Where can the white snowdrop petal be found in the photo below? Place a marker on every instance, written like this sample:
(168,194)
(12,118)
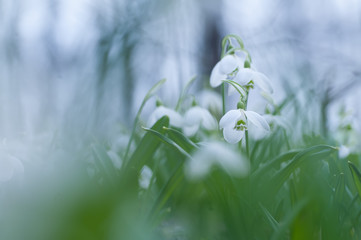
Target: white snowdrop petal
(145,176)
(210,100)
(216,76)
(231,135)
(208,121)
(257,133)
(343,151)
(191,130)
(257,120)
(263,82)
(216,154)
(228,64)
(199,166)
(230,118)
(193,116)
(234,164)
(175,118)
(244,75)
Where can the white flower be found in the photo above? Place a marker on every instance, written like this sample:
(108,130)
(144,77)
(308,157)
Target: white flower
(10,167)
(216,154)
(175,119)
(210,100)
(145,176)
(343,151)
(245,75)
(235,122)
(196,117)
(223,68)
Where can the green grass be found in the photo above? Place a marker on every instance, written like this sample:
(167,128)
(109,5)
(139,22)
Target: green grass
(297,188)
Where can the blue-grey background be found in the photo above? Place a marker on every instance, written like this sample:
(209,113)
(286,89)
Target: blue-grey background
(84,66)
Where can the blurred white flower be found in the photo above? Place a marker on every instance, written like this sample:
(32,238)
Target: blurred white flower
(195,117)
(175,119)
(343,151)
(210,100)
(235,122)
(10,168)
(223,68)
(145,176)
(216,154)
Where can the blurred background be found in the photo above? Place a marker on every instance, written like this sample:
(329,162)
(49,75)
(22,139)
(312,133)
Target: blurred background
(83,67)
(73,75)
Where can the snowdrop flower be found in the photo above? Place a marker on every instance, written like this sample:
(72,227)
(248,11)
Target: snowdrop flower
(223,68)
(10,167)
(196,117)
(145,176)
(216,154)
(175,118)
(235,122)
(246,76)
(211,100)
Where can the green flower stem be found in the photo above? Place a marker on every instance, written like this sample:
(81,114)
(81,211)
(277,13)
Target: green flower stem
(247,144)
(223,99)
(246,132)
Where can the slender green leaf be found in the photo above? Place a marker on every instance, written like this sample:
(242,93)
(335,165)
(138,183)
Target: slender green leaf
(181,140)
(290,217)
(103,162)
(149,94)
(166,192)
(312,153)
(147,146)
(274,224)
(168,141)
(356,175)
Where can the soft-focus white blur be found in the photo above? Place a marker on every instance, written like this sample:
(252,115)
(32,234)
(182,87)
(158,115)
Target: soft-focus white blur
(86,65)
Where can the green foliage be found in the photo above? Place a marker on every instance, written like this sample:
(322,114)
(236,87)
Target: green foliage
(297,188)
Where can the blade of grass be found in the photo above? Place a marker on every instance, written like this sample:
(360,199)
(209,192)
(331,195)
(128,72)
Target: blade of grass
(274,224)
(183,93)
(166,193)
(149,94)
(356,175)
(146,148)
(167,141)
(316,152)
(181,140)
(104,163)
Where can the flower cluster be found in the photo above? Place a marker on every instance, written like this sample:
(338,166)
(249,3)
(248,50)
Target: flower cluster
(235,69)
(231,67)
(194,118)
(242,78)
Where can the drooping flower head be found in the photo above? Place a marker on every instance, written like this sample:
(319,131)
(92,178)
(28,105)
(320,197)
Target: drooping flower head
(224,68)
(197,117)
(175,119)
(235,122)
